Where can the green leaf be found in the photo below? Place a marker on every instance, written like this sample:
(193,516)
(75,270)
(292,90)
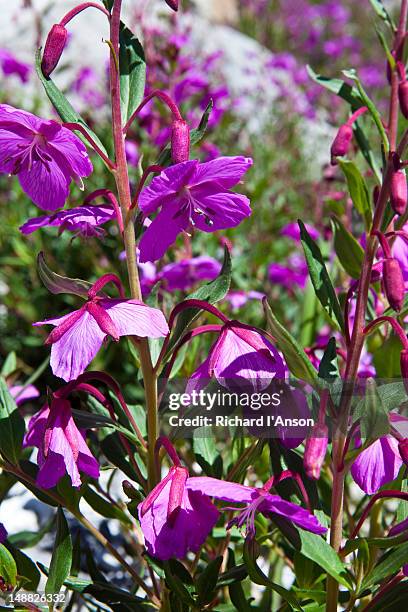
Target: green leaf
(196,135)
(358,189)
(28,573)
(348,250)
(8,567)
(132,68)
(63,107)
(314,547)
(176,583)
(328,368)
(250,554)
(374,420)
(295,357)
(61,559)
(212,292)
(103,507)
(9,365)
(206,452)
(338,87)
(388,565)
(12,426)
(320,277)
(207,581)
(382,13)
(60,284)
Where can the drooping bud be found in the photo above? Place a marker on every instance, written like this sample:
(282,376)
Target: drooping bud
(393,283)
(398,192)
(315,450)
(173,4)
(54,46)
(403,97)
(180,141)
(403,447)
(341,143)
(404,369)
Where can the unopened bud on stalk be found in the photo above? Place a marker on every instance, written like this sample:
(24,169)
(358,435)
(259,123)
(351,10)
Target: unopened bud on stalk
(403,98)
(404,372)
(341,143)
(393,283)
(54,46)
(173,4)
(315,450)
(180,141)
(398,192)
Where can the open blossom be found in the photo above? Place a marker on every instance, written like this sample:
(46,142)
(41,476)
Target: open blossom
(3,533)
(380,463)
(43,154)
(78,336)
(61,446)
(178,515)
(192,194)
(85,220)
(240,355)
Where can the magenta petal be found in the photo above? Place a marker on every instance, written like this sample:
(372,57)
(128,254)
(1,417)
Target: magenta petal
(377,465)
(51,471)
(132,318)
(23,393)
(200,378)
(167,184)
(225,210)
(222,489)
(296,514)
(162,232)
(36,428)
(46,185)
(225,171)
(3,533)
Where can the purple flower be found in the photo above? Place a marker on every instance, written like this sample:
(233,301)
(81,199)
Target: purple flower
(177,515)
(240,354)
(44,155)
(85,220)
(61,446)
(23,393)
(295,273)
(192,194)
(3,533)
(78,336)
(380,462)
(11,65)
(239,298)
(182,275)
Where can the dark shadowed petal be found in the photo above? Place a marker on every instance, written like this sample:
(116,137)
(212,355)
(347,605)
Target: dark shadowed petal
(295,514)
(225,171)
(219,211)
(222,489)
(162,232)
(3,533)
(199,378)
(45,184)
(132,318)
(168,183)
(52,469)
(36,428)
(377,465)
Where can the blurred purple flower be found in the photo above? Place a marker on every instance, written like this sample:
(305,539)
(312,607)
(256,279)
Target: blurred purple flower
(23,393)
(86,86)
(184,274)
(192,194)
(132,152)
(85,220)
(11,65)
(291,230)
(3,533)
(61,446)
(240,355)
(44,155)
(295,273)
(79,335)
(237,298)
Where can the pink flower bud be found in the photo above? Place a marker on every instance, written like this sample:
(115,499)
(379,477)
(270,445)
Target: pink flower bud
(404,369)
(341,144)
(403,445)
(393,283)
(315,450)
(180,141)
(398,192)
(173,4)
(54,47)
(403,98)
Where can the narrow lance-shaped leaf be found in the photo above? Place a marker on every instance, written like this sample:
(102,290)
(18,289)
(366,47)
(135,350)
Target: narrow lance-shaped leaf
(358,189)
(11,425)
(348,250)
(329,369)
(132,67)
(55,283)
(61,559)
(320,277)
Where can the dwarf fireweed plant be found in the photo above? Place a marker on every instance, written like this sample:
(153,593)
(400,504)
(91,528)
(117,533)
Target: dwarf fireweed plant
(194,514)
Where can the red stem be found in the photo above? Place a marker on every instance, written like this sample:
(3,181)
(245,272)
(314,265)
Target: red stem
(80,128)
(155,94)
(105,193)
(149,170)
(81,7)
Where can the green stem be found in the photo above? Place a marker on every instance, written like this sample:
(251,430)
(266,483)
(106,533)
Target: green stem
(123,187)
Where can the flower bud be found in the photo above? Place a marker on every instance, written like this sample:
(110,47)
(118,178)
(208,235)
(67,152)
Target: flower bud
(403,448)
(180,141)
(393,283)
(173,4)
(54,47)
(341,143)
(398,192)
(403,97)
(315,450)
(404,369)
